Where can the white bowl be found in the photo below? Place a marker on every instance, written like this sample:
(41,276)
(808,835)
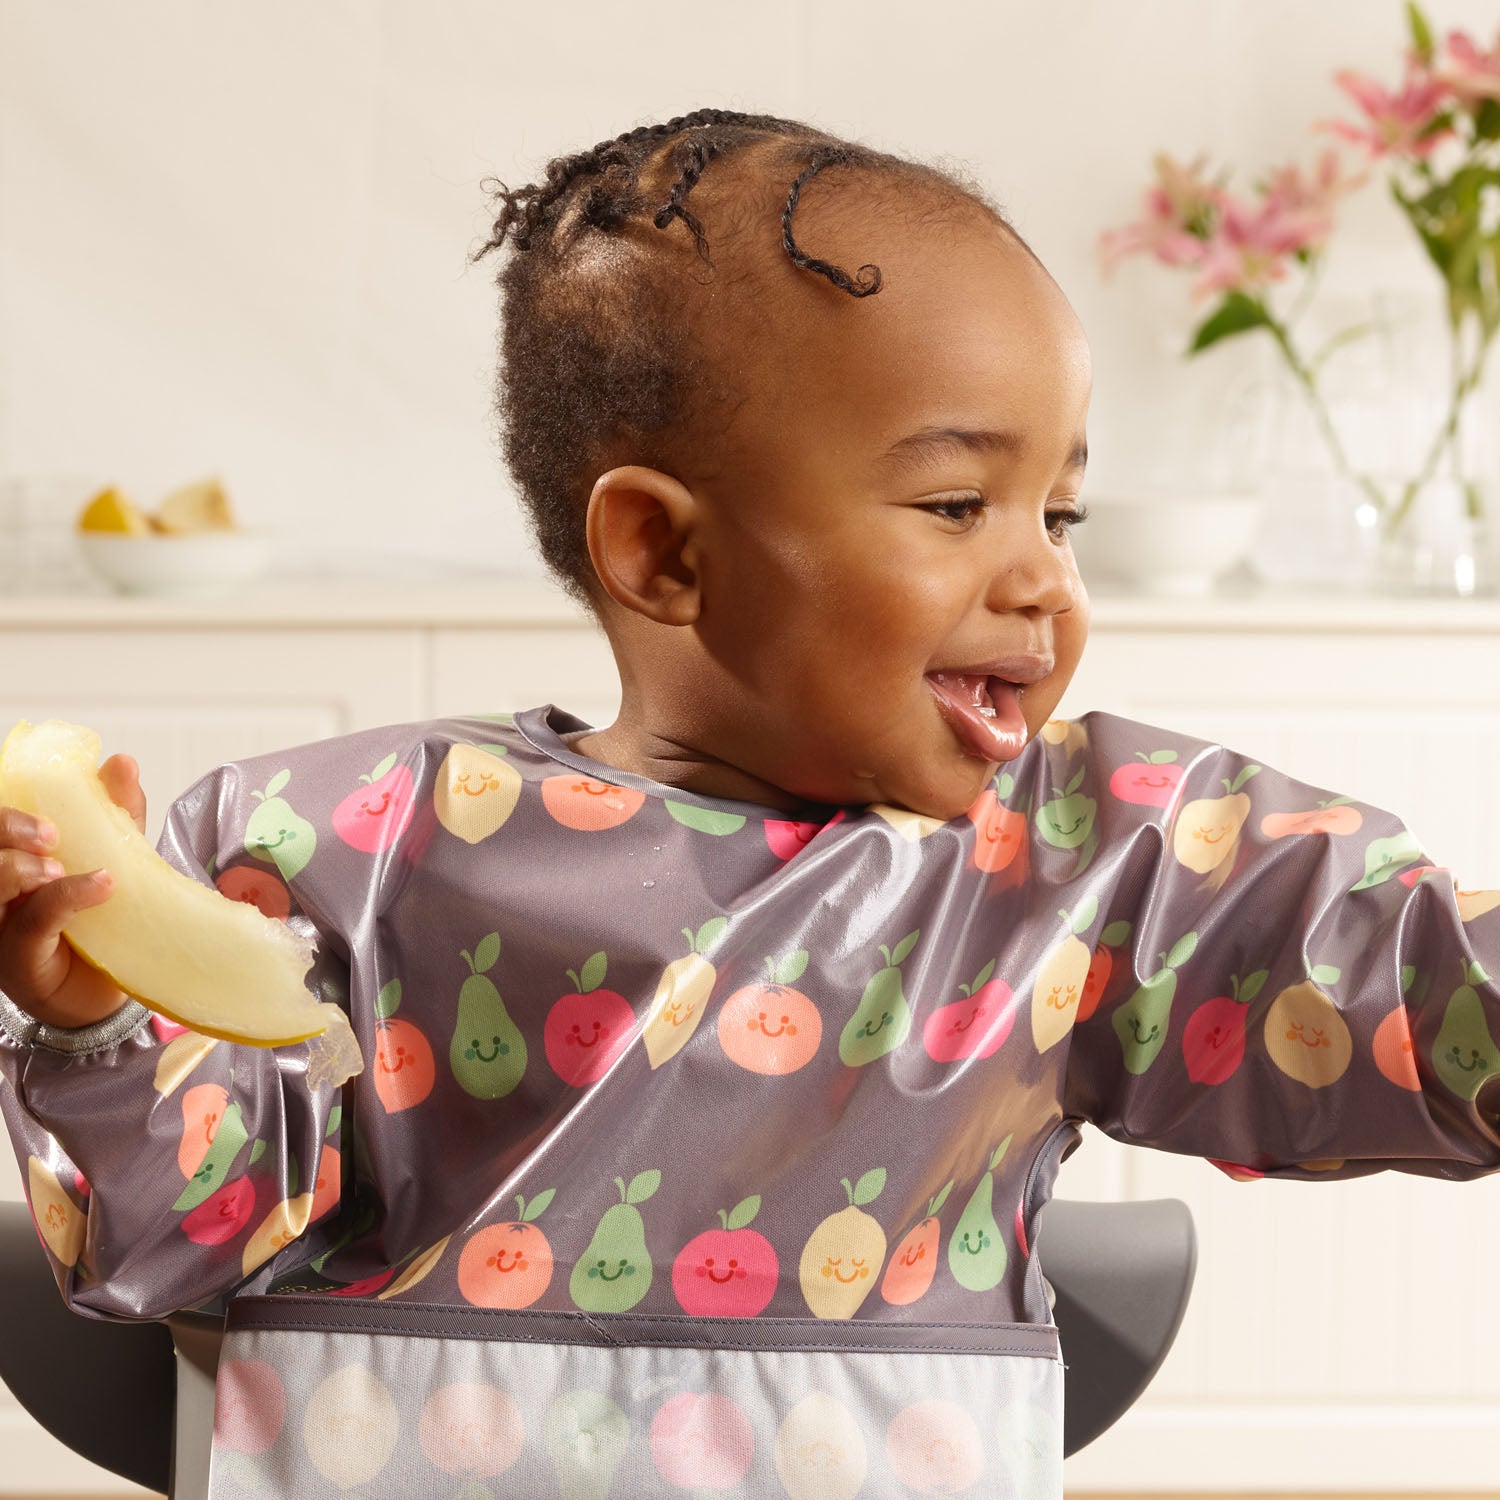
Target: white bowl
(1165,546)
(201,563)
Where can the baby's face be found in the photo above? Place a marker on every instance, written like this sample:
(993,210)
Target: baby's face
(889,594)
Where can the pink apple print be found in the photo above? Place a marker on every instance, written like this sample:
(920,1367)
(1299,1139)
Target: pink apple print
(366,1286)
(1151,780)
(729,1272)
(702,1442)
(975,1026)
(374,816)
(1021,1241)
(250,1406)
(587,1030)
(165,1030)
(258,888)
(1213,1041)
(786,837)
(222,1215)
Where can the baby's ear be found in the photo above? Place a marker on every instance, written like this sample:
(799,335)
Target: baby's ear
(641,531)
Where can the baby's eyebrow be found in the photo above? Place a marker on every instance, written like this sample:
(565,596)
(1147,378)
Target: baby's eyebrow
(918,448)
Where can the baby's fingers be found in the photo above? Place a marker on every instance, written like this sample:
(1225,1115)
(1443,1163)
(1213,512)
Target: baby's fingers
(122,780)
(34,959)
(22,872)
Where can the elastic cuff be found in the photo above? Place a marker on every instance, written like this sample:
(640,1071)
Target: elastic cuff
(99,1036)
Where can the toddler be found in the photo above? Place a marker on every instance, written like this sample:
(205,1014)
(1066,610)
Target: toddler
(719,1060)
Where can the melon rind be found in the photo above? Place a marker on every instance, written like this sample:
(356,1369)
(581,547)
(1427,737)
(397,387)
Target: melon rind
(181,948)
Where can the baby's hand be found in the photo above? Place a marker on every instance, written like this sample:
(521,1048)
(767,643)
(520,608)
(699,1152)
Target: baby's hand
(39,970)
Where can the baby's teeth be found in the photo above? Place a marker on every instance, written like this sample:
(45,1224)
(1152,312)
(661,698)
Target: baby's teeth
(987,710)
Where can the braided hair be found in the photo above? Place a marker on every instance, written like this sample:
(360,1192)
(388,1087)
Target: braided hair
(600,359)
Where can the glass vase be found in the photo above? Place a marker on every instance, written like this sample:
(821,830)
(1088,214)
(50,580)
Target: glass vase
(1443,547)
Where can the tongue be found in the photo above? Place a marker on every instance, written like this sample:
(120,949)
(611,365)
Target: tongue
(984,712)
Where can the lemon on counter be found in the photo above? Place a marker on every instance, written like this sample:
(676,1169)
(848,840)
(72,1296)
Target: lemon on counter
(109,510)
(195,507)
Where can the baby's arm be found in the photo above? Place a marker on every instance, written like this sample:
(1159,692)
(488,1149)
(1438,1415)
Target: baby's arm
(1305,993)
(163,1168)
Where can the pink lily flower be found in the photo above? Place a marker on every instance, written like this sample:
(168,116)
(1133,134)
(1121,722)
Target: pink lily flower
(1393,123)
(1472,75)
(1179,208)
(1302,206)
(1251,246)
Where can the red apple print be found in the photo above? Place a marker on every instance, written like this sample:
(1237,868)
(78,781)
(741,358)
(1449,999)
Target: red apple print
(82,1184)
(165,1030)
(786,838)
(258,888)
(1021,1242)
(975,1026)
(222,1215)
(366,1287)
(1150,780)
(1101,966)
(1237,1170)
(729,1272)
(1409,878)
(374,816)
(588,1029)
(1213,1041)
(999,831)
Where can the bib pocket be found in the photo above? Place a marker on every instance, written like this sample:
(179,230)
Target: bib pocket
(326,1397)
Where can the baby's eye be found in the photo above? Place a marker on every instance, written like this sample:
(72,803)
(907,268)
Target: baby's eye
(1058,521)
(964,509)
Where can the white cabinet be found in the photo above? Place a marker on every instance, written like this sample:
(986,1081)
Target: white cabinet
(1338,1337)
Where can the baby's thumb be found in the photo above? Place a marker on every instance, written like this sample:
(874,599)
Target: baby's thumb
(122,780)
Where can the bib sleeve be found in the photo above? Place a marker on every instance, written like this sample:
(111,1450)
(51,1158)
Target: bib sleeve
(1296,989)
(165,1169)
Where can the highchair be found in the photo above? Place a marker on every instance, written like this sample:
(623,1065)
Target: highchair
(137,1398)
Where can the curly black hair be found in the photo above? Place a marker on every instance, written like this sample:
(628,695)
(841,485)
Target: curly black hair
(600,359)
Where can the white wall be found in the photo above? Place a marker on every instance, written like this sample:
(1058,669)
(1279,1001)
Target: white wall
(233,237)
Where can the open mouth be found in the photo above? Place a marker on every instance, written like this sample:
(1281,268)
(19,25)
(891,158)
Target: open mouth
(983,711)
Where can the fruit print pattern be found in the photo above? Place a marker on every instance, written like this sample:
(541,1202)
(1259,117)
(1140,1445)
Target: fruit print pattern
(882,1018)
(682,994)
(589,1028)
(843,1254)
(614,1271)
(488,1052)
(976,1252)
(1206,951)
(771,1028)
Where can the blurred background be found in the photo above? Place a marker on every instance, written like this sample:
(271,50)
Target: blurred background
(234,239)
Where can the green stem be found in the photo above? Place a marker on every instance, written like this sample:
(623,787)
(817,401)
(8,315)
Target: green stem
(1308,381)
(1465,382)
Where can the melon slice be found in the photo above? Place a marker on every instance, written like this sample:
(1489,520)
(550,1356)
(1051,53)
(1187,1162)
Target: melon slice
(178,946)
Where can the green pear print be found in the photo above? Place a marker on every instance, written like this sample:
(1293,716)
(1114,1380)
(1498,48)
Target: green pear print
(586,1436)
(1387,857)
(883,1018)
(277,834)
(976,1252)
(488,1052)
(1141,1022)
(1464,1053)
(614,1272)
